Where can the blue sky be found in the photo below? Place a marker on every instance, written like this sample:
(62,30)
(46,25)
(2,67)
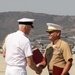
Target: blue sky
(53,7)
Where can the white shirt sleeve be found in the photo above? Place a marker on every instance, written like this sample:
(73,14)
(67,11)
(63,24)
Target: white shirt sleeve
(27,50)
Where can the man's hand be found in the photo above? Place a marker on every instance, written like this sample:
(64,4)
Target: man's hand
(39,70)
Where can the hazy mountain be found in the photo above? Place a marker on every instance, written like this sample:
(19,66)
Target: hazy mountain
(8,23)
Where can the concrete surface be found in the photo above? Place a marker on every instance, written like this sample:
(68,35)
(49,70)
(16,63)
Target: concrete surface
(31,72)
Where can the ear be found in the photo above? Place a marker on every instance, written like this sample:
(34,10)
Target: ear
(58,33)
(25,27)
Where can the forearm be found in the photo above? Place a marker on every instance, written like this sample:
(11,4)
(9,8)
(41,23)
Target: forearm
(42,64)
(33,66)
(3,53)
(67,67)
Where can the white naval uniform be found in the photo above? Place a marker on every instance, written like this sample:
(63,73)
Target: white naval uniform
(17,49)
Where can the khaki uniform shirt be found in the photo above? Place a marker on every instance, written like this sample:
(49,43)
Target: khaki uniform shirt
(61,54)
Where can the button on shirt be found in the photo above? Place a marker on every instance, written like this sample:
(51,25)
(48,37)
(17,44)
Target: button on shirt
(17,49)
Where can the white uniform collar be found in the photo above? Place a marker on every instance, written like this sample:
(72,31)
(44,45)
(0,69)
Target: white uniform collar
(21,32)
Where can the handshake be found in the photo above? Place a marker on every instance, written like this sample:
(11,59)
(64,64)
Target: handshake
(40,67)
(39,70)
(38,59)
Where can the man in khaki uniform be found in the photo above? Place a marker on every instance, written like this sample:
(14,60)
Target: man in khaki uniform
(57,53)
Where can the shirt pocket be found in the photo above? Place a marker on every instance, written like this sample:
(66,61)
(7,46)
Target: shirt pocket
(57,52)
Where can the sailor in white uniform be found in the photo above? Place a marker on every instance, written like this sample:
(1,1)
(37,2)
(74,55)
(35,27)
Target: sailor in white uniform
(17,50)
